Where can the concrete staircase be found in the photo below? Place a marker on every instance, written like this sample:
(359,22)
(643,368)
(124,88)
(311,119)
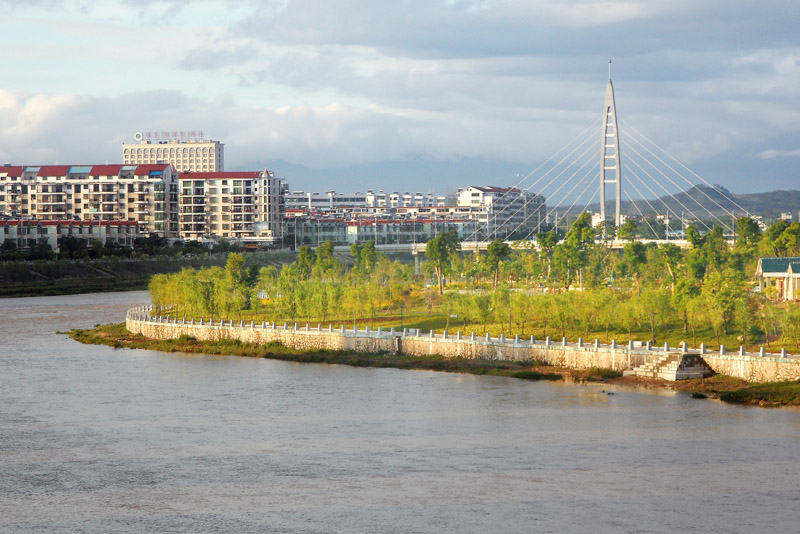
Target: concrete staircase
(673,367)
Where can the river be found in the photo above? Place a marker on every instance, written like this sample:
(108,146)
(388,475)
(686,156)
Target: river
(94,439)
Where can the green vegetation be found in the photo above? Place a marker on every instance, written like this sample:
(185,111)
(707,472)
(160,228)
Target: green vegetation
(576,287)
(115,335)
(768,394)
(110,273)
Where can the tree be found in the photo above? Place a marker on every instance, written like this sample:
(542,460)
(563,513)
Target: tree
(747,232)
(547,243)
(482,304)
(628,230)
(497,252)
(235,296)
(607,231)
(440,251)
(654,303)
(635,256)
(306,259)
(686,289)
(581,233)
(326,263)
(693,236)
(722,290)
(670,256)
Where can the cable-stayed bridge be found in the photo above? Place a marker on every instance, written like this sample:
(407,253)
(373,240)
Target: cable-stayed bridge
(571,179)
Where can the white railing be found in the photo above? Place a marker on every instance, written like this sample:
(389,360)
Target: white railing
(152,315)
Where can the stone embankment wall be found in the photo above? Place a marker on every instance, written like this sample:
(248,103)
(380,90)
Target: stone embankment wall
(414,343)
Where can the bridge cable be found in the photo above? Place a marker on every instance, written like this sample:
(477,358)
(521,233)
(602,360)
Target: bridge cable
(568,180)
(656,196)
(676,185)
(655,234)
(580,135)
(588,184)
(726,197)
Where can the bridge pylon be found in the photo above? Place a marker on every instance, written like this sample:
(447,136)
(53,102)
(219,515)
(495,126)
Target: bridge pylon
(611,163)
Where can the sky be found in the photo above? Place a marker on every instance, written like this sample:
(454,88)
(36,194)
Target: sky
(417,95)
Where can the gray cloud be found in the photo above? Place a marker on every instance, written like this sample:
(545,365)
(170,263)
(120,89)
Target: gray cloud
(357,83)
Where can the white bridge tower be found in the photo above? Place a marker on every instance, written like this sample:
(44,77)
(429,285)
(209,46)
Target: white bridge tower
(611,164)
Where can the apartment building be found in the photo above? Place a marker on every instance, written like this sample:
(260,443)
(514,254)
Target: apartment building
(230,204)
(510,211)
(186,154)
(145,194)
(327,201)
(396,199)
(316,228)
(331,200)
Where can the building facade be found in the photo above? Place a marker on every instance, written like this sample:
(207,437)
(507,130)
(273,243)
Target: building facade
(510,212)
(331,200)
(186,155)
(233,205)
(144,194)
(27,234)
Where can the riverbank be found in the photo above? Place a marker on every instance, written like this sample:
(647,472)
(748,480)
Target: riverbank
(721,387)
(67,277)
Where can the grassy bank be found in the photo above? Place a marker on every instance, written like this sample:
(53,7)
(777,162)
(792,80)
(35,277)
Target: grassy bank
(115,335)
(768,394)
(721,387)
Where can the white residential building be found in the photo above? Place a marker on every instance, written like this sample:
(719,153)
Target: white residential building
(510,211)
(232,205)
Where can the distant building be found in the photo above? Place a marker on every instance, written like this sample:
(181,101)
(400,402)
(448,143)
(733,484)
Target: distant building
(510,211)
(315,228)
(331,200)
(185,153)
(27,234)
(327,201)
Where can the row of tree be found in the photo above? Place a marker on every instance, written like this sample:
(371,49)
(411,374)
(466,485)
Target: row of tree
(647,288)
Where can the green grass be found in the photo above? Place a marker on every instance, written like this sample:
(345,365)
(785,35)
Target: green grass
(767,394)
(117,336)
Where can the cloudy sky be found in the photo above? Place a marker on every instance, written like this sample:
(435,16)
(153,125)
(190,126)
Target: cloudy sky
(408,94)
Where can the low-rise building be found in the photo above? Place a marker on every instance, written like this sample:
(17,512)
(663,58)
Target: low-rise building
(26,234)
(781,274)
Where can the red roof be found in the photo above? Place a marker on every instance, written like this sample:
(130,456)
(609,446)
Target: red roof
(106,170)
(53,170)
(13,172)
(145,170)
(218,175)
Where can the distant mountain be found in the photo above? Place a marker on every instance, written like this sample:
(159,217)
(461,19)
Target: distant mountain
(702,199)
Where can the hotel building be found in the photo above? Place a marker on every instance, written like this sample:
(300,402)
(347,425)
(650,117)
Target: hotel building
(186,154)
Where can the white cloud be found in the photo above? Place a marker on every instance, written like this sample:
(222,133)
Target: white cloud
(773,153)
